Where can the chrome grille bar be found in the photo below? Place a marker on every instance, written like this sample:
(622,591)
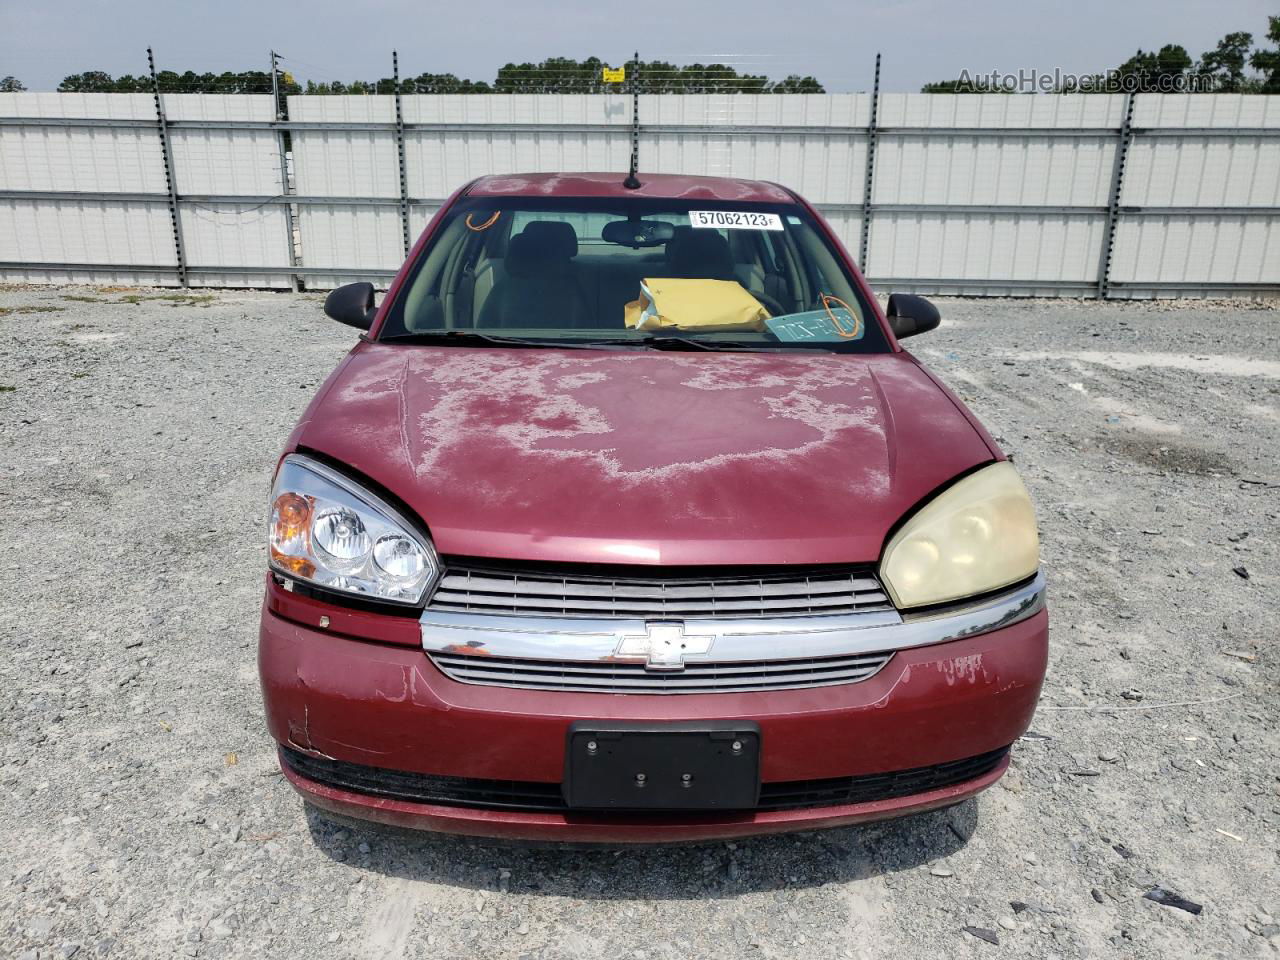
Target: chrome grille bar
(594,650)
(464,590)
(777,652)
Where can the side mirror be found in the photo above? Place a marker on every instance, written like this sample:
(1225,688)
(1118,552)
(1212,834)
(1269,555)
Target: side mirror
(909,315)
(352,305)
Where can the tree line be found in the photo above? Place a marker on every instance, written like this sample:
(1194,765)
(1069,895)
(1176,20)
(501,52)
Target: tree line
(554,75)
(1167,70)
(1170,69)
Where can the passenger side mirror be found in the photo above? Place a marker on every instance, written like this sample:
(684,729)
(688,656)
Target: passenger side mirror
(352,304)
(909,315)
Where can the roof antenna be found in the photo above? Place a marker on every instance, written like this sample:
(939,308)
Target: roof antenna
(633,182)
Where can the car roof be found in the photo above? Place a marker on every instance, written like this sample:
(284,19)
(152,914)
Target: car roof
(665,186)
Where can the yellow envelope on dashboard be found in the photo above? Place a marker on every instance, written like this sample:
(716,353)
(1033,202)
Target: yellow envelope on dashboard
(694,305)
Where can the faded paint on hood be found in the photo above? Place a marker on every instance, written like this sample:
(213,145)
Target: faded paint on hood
(645,457)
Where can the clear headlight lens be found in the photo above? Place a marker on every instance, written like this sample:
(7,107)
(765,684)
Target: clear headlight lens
(329,531)
(976,536)
(399,557)
(340,537)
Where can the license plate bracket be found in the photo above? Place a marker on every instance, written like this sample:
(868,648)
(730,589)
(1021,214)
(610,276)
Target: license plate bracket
(662,766)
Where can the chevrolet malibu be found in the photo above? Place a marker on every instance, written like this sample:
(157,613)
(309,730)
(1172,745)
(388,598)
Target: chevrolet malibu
(628,519)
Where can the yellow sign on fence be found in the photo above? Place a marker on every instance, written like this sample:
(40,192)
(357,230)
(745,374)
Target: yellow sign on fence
(614,74)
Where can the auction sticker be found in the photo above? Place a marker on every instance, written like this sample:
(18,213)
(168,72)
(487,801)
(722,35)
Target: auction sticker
(734,220)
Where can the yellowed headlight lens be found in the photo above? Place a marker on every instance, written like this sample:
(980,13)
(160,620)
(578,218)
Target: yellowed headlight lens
(976,536)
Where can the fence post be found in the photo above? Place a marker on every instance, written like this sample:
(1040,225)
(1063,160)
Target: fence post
(162,124)
(404,182)
(1113,205)
(281,111)
(633,182)
(871,168)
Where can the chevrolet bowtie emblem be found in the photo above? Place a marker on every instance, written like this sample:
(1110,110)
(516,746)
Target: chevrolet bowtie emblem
(663,646)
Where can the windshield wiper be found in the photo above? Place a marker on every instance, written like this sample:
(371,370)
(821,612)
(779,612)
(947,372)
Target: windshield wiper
(462,338)
(668,342)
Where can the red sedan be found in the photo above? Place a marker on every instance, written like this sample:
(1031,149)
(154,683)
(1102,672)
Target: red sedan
(629,520)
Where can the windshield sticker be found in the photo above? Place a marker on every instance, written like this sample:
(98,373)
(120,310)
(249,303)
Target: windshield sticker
(734,220)
(816,326)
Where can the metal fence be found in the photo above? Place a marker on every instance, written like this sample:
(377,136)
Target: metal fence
(1076,195)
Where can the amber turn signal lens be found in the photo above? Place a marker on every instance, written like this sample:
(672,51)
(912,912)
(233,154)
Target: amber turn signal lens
(292,514)
(291,533)
(299,565)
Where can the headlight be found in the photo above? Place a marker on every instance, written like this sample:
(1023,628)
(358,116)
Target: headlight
(976,536)
(327,530)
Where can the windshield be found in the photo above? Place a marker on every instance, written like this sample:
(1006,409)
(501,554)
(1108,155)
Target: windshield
(632,273)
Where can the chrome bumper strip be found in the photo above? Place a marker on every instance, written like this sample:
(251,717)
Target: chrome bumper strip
(593,640)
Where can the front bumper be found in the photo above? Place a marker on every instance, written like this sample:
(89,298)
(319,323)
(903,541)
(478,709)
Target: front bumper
(674,827)
(389,707)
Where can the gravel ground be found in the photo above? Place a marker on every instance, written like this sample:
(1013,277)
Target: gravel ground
(143,815)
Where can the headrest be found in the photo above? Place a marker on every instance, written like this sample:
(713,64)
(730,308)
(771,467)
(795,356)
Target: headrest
(679,236)
(559,238)
(701,254)
(528,255)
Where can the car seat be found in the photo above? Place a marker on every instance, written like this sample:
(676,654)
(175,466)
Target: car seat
(699,254)
(540,288)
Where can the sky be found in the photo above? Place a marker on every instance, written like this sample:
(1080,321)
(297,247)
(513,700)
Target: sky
(41,41)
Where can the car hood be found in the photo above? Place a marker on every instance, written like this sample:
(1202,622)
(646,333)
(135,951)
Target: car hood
(645,457)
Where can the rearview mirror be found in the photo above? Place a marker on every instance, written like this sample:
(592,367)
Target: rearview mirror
(638,233)
(909,315)
(352,304)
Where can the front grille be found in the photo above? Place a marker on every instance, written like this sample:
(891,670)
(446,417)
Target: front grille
(869,788)
(586,676)
(533,797)
(547,593)
(423,787)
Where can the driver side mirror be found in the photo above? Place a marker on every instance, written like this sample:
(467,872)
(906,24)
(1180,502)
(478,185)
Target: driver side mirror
(352,304)
(909,315)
